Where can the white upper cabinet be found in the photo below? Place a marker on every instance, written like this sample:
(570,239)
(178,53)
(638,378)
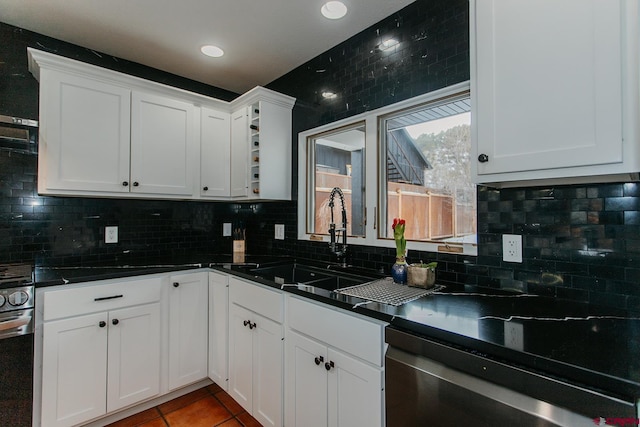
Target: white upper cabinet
(261,145)
(164,147)
(215,153)
(81,118)
(554,89)
(239,153)
(107,134)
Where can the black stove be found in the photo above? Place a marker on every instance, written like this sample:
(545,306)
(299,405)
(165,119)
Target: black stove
(16,344)
(16,287)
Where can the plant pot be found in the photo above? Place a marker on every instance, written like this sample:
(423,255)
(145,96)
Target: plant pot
(420,276)
(399,271)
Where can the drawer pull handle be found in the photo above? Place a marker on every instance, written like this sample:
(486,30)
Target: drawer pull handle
(106,298)
(319,360)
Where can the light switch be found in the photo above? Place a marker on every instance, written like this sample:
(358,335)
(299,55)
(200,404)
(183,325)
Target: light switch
(226,229)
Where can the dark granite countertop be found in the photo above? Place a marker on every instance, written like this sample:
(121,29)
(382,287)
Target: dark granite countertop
(591,346)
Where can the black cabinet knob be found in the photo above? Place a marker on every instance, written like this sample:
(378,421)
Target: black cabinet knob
(318,360)
(102,324)
(136,184)
(483,158)
(176,284)
(329,365)
(115,321)
(252,325)
(125,184)
(246,323)
(205,188)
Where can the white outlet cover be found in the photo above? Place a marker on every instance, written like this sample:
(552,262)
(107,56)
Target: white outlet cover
(514,335)
(512,248)
(279,231)
(226,229)
(111,234)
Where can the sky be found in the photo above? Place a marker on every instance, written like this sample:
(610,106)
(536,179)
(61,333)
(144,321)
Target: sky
(436,126)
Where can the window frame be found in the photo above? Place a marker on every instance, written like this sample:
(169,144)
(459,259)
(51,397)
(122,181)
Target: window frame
(311,177)
(373,175)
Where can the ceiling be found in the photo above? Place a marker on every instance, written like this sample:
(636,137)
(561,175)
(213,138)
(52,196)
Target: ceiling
(262,39)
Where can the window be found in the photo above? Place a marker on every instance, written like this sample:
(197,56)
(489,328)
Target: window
(425,171)
(337,159)
(413,157)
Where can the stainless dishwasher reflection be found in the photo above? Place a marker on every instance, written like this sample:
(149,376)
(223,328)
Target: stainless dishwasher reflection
(422,392)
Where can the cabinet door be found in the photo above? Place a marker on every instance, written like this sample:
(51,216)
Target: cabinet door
(188,317)
(267,371)
(74,370)
(355,392)
(241,356)
(84,134)
(133,355)
(275,152)
(215,152)
(218,328)
(547,91)
(164,146)
(239,154)
(306,382)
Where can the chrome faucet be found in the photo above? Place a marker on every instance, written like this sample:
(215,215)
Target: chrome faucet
(339,250)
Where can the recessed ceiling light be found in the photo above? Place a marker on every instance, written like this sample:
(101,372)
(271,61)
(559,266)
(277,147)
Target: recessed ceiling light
(329,95)
(213,51)
(333,9)
(388,44)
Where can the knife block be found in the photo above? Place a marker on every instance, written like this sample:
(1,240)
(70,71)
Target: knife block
(238,251)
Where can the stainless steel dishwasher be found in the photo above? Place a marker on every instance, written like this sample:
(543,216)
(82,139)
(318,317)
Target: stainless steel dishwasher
(425,386)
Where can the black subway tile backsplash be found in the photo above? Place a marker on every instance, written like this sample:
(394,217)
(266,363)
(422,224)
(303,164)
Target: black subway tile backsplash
(581,242)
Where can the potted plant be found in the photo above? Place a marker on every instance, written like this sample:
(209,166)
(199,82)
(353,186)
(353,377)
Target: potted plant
(422,275)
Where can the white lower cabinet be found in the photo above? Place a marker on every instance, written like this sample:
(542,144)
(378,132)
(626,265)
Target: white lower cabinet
(188,328)
(326,385)
(218,329)
(98,354)
(256,350)
(99,363)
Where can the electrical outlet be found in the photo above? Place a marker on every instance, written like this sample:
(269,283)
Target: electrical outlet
(226,229)
(279,232)
(512,247)
(514,335)
(111,234)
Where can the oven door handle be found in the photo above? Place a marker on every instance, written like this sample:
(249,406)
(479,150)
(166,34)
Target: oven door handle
(20,323)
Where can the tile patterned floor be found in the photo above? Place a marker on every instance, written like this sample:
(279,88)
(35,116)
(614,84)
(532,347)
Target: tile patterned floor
(206,407)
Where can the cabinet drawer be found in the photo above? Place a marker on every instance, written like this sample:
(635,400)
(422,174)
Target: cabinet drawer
(357,336)
(100,297)
(256,298)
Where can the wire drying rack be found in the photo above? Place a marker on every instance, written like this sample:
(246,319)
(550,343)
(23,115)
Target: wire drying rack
(386,291)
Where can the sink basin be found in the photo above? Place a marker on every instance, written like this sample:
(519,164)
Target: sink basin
(337,282)
(307,277)
(293,273)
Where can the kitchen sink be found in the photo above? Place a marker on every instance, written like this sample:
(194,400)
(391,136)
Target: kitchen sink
(306,277)
(292,273)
